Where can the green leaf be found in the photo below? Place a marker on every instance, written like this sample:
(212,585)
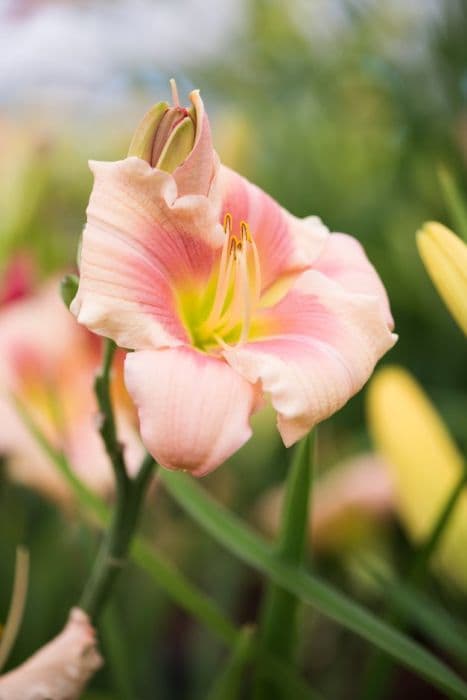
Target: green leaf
(427,615)
(278,626)
(454,202)
(228,530)
(228,686)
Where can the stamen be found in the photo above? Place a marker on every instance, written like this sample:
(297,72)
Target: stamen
(246,298)
(173,88)
(238,286)
(224,274)
(228,224)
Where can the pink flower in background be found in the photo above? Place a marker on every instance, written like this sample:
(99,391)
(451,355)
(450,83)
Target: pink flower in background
(61,669)
(350,503)
(17,279)
(224,296)
(48,363)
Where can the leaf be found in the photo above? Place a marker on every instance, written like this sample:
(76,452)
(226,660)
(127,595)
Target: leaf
(228,685)
(278,625)
(228,530)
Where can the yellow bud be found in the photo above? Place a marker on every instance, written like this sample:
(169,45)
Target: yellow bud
(445,257)
(424,461)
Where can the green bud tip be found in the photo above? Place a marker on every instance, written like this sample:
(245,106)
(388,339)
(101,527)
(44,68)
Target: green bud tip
(69,288)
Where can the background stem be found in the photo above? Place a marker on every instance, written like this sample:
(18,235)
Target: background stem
(278,624)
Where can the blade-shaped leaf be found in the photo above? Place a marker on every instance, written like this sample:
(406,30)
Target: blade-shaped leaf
(227,529)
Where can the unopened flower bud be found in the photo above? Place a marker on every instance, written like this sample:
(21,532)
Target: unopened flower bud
(166,135)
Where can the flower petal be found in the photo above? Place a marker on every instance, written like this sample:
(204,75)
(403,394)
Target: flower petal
(322,347)
(286,245)
(195,174)
(140,244)
(193,408)
(60,669)
(344,260)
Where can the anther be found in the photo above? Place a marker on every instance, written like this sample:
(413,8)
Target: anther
(228,223)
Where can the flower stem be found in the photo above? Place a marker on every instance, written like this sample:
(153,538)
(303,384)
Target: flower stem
(130,494)
(277,633)
(379,669)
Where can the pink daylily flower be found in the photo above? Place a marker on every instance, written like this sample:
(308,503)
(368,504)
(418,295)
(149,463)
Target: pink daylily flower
(225,298)
(48,364)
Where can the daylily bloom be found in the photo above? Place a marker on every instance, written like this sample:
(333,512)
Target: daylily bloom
(48,363)
(424,463)
(348,502)
(445,257)
(61,669)
(222,294)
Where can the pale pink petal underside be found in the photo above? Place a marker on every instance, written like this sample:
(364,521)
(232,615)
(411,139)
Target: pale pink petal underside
(193,408)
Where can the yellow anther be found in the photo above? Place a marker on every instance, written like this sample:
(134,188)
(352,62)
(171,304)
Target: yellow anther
(245,231)
(238,287)
(228,223)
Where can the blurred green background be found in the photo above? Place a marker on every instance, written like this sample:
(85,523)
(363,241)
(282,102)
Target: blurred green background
(348,110)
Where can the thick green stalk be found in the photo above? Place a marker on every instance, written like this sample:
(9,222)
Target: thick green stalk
(130,493)
(278,624)
(115,645)
(377,679)
(112,556)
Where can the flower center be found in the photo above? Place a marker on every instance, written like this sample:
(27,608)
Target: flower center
(236,292)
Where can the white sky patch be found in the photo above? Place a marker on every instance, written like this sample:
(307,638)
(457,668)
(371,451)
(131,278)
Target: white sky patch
(72,50)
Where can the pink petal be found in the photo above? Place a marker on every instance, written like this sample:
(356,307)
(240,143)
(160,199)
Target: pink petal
(344,260)
(142,243)
(195,174)
(323,345)
(193,408)
(286,245)
(61,669)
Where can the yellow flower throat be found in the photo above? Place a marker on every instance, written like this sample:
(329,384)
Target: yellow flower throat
(232,295)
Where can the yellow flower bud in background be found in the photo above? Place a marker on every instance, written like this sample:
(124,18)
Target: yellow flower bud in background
(424,463)
(445,257)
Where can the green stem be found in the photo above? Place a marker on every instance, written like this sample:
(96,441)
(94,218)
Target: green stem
(113,552)
(454,201)
(116,652)
(377,680)
(228,686)
(107,426)
(278,625)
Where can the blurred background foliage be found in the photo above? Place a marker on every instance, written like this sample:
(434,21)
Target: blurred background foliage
(345,109)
